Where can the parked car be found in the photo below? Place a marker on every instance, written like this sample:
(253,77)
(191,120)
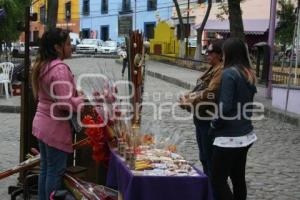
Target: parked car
(75,40)
(89,46)
(109,47)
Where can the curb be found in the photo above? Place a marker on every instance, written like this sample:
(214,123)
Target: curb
(270,112)
(94,56)
(10,109)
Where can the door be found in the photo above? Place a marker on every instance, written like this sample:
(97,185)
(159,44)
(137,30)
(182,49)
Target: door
(85,33)
(104,33)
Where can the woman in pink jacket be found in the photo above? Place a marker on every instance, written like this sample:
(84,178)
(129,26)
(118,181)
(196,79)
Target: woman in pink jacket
(54,88)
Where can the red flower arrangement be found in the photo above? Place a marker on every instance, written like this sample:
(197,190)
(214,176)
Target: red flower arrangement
(98,137)
(99,133)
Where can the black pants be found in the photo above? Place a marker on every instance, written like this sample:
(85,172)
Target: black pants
(124,65)
(229,162)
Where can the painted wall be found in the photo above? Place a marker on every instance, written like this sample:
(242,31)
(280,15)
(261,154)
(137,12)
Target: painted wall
(279,99)
(95,20)
(254,9)
(72,25)
(163,12)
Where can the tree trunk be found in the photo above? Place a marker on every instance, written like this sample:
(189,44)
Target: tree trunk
(235,19)
(182,50)
(52,8)
(198,52)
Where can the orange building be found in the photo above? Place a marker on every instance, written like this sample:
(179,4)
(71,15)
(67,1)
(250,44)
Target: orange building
(68,17)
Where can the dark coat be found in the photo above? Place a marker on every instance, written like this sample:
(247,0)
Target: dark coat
(234,94)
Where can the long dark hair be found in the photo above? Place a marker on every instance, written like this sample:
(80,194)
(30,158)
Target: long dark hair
(236,54)
(47,53)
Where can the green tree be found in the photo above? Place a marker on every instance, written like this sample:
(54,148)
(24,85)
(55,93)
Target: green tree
(198,53)
(235,19)
(286,24)
(15,10)
(14,13)
(234,12)
(182,50)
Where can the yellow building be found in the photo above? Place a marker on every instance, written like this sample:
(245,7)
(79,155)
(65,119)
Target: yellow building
(68,16)
(165,41)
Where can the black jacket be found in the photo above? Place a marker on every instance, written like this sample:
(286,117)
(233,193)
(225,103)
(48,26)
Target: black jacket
(235,98)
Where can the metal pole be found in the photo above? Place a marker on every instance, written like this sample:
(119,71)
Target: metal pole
(291,64)
(296,49)
(135,15)
(271,45)
(24,139)
(188,23)
(297,44)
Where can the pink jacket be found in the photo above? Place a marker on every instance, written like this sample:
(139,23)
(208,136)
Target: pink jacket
(56,133)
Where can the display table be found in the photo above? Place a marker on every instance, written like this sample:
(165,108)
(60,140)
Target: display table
(155,187)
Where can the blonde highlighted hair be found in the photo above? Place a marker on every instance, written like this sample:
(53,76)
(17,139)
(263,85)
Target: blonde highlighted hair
(47,53)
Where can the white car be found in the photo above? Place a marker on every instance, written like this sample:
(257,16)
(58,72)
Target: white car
(109,47)
(75,40)
(89,46)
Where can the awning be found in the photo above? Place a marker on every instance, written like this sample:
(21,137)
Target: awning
(251,26)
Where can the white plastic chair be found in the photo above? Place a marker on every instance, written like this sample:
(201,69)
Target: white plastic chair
(6,75)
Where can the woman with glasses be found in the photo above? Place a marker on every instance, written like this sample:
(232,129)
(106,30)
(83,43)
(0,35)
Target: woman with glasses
(205,93)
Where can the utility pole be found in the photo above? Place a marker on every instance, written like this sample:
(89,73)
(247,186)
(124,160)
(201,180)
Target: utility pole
(188,30)
(271,46)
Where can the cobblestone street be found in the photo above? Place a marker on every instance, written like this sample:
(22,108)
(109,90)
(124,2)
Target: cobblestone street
(273,166)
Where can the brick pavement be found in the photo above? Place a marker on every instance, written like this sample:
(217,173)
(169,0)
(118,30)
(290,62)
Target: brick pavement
(9,144)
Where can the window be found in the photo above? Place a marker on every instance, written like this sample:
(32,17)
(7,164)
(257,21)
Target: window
(126,5)
(85,33)
(104,7)
(152,5)
(149,30)
(86,7)
(68,11)
(43,15)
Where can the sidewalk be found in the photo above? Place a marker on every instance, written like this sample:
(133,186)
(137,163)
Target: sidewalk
(186,78)
(11,105)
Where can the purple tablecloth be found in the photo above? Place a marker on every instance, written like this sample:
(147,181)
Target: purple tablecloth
(156,187)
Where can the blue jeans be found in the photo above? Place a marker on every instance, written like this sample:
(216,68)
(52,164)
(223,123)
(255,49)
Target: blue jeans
(53,165)
(204,144)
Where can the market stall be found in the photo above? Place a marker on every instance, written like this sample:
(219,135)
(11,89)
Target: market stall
(162,178)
